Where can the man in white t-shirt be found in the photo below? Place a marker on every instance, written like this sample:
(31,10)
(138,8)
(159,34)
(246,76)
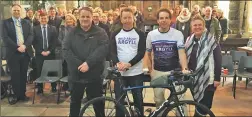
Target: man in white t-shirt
(128,47)
(165,50)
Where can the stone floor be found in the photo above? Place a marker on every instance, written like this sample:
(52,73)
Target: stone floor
(224,104)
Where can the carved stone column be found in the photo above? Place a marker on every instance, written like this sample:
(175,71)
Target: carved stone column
(234,16)
(249,17)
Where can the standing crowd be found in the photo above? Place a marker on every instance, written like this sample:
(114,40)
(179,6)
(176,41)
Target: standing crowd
(85,38)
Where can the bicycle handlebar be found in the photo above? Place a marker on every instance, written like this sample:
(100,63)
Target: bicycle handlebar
(177,77)
(183,79)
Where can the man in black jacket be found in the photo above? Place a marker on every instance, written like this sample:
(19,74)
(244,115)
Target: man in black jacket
(85,49)
(17,37)
(54,19)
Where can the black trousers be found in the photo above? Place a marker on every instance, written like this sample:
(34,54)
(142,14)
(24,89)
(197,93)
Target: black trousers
(207,100)
(39,63)
(93,90)
(131,81)
(18,65)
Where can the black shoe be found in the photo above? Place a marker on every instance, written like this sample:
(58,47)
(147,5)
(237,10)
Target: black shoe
(40,91)
(54,90)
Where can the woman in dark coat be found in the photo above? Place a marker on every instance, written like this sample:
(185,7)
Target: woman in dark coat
(183,22)
(224,24)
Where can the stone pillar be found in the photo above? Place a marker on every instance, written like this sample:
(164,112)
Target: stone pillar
(249,17)
(234,16)
(241,15)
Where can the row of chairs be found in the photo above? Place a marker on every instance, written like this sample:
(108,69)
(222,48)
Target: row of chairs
(238,65)
(55,66)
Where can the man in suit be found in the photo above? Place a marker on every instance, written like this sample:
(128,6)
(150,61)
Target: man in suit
(53,19)
(45,39)
(18,37)
(96,21)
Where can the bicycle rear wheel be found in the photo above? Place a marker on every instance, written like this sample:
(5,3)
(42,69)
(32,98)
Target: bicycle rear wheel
(109,108)
(188,108)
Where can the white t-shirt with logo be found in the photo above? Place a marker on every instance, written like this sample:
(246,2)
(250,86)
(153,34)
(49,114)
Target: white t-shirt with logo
(128,45)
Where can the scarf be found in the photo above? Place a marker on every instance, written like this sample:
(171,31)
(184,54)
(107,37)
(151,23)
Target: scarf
(181,18)
(204,57)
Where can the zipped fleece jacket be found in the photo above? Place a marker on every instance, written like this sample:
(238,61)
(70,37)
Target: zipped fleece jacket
(81,46)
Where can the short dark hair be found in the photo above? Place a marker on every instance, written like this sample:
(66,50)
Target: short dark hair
(16,5)
(74,10)
(126,10)
(86,9)
(29,9)
(97,13)
(123,5)
(52,8)
(164,10)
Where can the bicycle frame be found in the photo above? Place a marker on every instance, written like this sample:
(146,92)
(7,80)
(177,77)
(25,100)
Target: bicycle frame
(172,98)
(125,92)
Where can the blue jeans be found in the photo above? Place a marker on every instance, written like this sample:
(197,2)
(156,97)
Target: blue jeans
(131,81)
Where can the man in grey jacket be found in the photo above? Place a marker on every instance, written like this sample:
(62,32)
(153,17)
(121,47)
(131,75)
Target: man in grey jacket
(85,49)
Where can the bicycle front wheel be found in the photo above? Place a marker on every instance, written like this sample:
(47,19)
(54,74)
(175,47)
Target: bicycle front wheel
(110,105)
(187,108)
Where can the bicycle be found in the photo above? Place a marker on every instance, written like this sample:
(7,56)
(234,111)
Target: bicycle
(172,102)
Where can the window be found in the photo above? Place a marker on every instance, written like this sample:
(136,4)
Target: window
(224,6)
(249,18)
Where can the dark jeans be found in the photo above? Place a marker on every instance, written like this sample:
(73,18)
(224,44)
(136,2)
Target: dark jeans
(206,100)
(93,90)
(131,81)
